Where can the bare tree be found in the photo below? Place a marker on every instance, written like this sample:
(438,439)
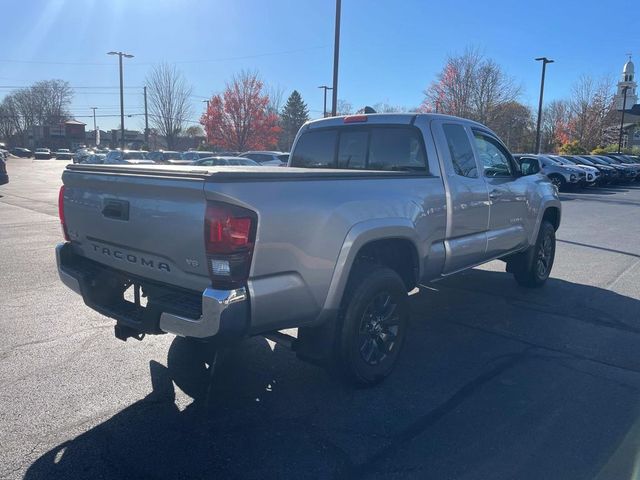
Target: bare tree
(275,94)
(386,107)
(555,125)
(592,110)
(513,122)
(470,86)
(194,131)
(344,107)
(169,105)
(44,103)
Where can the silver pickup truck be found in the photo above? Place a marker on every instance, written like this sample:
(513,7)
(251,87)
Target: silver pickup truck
(369,208)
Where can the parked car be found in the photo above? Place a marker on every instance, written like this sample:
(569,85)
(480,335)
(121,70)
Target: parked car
(21,152)
(592,173)
(167,157)
(63,154)
(193,155)
(42,154)
(82,154)
(4,176)
(626,173)
(218,161)
(560,175)
(122,157)
(367,212)
(95,159)
(267,157)
(624,162)
(609,174)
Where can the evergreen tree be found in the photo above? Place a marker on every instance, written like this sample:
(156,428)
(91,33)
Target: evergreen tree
(294,115)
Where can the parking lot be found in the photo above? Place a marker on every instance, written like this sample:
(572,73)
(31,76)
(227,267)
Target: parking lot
(495,381)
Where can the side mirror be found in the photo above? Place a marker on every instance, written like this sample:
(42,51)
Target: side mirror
(529,166)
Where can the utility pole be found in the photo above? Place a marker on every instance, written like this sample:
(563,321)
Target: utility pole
(624,106)
(206,113)
(544,60)
(95,130)
(336,56)
(120,55)
(324,115)
(146,119)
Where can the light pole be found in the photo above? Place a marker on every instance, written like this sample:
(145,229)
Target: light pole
(146,119)
(95,131)
(544,60)
(120,55)
(624,106)
(336,56)
(324,115)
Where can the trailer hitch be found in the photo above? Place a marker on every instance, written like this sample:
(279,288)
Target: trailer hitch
(123,332)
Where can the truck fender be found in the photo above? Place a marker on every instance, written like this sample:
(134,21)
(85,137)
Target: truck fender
(545,203)
(358,236)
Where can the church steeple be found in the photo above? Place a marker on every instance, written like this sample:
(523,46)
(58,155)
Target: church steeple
(627,82)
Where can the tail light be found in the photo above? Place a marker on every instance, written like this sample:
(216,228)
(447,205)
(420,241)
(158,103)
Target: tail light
(355,119)
(229,238)
(61,213)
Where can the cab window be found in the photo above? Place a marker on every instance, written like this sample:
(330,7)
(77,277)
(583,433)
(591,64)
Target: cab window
(494,158)
(462,159)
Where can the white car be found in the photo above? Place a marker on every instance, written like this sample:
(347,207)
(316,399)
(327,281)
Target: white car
(592,173)
(124,157)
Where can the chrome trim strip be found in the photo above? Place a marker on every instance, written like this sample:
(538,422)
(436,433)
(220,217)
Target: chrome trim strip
(214,303)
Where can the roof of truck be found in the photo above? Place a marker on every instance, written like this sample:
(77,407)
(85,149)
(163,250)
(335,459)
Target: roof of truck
(385,118)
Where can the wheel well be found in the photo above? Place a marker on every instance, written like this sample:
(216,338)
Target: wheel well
(552,214)
(398,254)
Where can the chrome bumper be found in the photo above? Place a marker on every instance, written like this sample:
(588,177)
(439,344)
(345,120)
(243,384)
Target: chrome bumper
(214,305)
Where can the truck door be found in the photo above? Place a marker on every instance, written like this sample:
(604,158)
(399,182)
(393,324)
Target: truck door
(467,196)
(507,195)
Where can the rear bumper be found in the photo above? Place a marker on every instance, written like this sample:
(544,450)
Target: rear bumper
(213,313)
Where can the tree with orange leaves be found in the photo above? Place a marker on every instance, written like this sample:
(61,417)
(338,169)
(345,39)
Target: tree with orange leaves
(239,119)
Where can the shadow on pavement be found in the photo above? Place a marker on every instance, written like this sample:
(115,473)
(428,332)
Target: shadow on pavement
(463,402)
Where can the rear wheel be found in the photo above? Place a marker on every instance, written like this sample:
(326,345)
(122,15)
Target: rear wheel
(533,267)
(373,325)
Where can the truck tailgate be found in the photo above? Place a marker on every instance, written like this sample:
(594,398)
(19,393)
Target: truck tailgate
(148,225)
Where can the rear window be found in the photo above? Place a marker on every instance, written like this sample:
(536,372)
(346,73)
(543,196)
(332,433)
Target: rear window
(315,149)
(370,148)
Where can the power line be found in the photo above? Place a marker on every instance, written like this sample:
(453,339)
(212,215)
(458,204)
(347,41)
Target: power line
(97,87)
(222,59)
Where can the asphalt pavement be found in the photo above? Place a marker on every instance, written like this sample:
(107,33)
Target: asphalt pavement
(496,381)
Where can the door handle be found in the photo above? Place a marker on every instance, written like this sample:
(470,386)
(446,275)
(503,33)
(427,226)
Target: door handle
(116,209)
(495,194)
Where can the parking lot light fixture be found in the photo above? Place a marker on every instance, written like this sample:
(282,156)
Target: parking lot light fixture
(325,87)
(544,61)
(120,55)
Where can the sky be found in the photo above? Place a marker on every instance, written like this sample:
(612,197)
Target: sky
(390,50)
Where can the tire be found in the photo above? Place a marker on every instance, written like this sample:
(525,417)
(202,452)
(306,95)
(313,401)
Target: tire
(373,324)
(558,181)
(532,268)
